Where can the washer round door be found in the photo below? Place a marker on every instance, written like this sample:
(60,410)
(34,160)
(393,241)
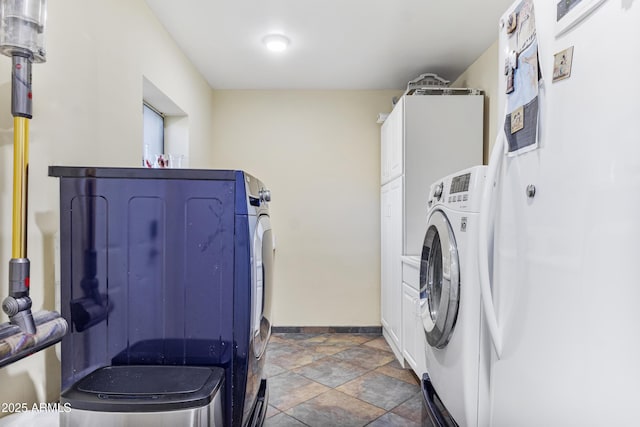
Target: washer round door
(263,248)
(439,281)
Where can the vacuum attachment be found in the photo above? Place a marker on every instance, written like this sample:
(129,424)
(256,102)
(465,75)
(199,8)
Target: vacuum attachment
(15,344)
(18,304)
(21,38)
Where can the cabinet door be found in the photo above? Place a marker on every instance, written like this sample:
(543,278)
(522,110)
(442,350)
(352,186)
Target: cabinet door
(410,343)
(391,145)
(385,143)
(396,141)
(385,255)
(391,264)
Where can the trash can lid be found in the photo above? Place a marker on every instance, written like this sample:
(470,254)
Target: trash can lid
(145,388)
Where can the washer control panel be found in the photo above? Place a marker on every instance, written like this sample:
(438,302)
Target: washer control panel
(460,191)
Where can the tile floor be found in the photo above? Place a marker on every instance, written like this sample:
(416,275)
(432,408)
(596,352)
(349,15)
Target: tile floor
(339,380)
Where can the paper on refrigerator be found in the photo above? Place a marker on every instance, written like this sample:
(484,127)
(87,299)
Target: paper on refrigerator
(523,77)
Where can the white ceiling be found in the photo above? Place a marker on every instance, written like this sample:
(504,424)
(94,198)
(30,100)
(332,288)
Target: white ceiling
(335,44)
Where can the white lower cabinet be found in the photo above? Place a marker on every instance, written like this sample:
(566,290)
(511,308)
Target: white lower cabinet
(413,339)
(410,301)
(391,266)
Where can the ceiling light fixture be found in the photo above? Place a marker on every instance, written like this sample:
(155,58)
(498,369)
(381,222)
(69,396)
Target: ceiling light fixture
(276,42)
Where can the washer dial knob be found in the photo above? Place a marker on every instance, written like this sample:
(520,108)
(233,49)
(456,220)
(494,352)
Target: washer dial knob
(437,192)
(265,195)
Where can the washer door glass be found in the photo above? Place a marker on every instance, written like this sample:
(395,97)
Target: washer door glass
(439,281)
(264,255)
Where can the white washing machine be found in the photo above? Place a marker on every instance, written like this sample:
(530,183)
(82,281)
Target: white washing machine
(450,302)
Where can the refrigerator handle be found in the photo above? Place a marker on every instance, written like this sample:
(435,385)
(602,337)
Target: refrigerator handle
(483,243)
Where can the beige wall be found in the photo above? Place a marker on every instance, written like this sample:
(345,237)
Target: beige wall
(87,111)
(483,74)
(319,153)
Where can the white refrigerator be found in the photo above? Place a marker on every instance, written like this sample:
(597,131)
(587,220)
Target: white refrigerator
(560,251)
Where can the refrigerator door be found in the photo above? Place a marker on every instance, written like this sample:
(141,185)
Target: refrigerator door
(565,267)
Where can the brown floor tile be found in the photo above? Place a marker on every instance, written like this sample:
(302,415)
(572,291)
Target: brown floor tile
(380,343)
(380,390)
(271,370)
(289,389)
(331,372)
(325,344)
(277,338)
(392,420)
(349,339)
(315,340)
(367,357)
(271,411)
(283,420)
(276,349)
(329,350)
(395,370)
(291,357)
(339,380)
(395,364)
(334,408)
(412,409)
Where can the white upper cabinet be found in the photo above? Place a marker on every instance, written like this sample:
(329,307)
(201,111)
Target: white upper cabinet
(425,138)
(392,144)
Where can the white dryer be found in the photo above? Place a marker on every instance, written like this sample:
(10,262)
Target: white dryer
(450,301)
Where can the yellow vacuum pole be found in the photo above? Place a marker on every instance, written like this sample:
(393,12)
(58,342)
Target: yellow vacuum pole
(18,304)
(20,182)
(21,37)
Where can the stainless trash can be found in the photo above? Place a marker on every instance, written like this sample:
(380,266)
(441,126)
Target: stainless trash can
(146,396)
